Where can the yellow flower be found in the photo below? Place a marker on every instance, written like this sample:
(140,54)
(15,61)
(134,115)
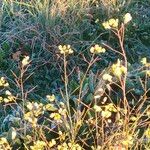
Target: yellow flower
(97,108)
(148,112)
(9,98)
(63,146)
(147,133)
(123,69)
(133,118)
(62,111)
(69,146)
(4,145)
(29,105)
(109,121)
(38,145)
(106,25)
(104,100)
(97,49)
(52,143)
(6,84)
(25,61)
(55,116)
(117,72)
(148,72)
(107,77)
(120,122)
(13,134)
(62,104)
(99,147)
(127,18)
(50,107)
(1,99)
(97,20)
(30,118)
(51,98)
(106,114)
(62,136)
(118,69)
(3,82)
(3,140)
(128,141)
(2,79)
(65,49)
(6,100)
(111,23)
(7,92)
(110,107)
(144,61)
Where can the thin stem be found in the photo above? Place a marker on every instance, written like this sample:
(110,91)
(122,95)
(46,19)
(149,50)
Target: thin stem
(67,97)
(22,94)
(120,35)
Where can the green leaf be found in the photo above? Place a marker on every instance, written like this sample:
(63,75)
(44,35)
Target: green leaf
(89,98)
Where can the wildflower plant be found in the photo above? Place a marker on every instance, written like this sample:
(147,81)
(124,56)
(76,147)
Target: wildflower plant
(78,118)
(97,49)
(65,49)
(3,82)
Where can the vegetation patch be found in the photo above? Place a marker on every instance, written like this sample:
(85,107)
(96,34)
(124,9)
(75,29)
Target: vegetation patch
(74,75)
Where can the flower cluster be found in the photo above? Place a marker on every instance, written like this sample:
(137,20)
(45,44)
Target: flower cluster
(8,97)
(4,145)
(127,18)
(133,118)
(71,146)
(3,82)
(51,98)
(50,107)
(107,111)
(97,148)
(56,116)
(52,143)
(128,141)
(62,136)
(35,110)
(39,145)
(25,61)
(107,77)
(118,69)
(146,64)
(65,49)
(97,49)
(97,108)
(111,23)
(114,23)
(144,61)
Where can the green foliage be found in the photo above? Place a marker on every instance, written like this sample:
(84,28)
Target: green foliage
(61,100)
